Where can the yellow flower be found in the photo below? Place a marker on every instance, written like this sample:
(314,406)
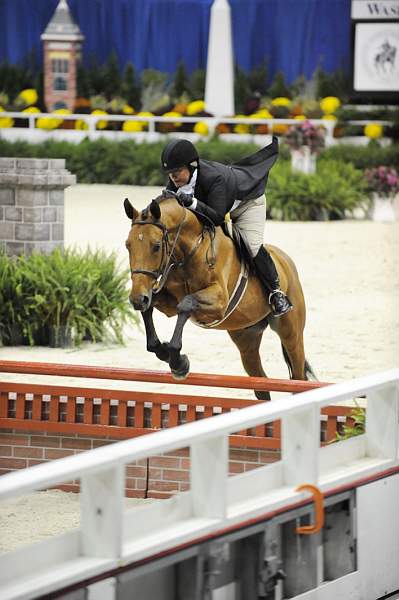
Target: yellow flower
(100,124)
(81,124)
(144,124)
(195,107)
(263,113)
(241,128)
(281,101)
(329,104)
(173,113)
(280,129)
(28,96)
(300,118)
(373,131)
(5,121)
(31,109)
(49,122)
(128,110)
(201,128)
(133,126)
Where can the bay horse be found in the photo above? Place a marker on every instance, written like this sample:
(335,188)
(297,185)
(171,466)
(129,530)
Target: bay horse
(184,267)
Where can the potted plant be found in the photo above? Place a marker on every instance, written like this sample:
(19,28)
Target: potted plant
(383,185)
(305,140)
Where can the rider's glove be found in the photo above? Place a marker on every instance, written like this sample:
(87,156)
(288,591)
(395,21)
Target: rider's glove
(187,200)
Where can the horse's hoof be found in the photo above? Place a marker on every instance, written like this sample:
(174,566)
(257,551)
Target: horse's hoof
(182,369)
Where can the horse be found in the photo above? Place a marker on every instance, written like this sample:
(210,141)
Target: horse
(385,58)
(183,266)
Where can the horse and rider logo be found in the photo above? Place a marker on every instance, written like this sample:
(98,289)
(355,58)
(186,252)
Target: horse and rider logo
(376,58)
(384,60)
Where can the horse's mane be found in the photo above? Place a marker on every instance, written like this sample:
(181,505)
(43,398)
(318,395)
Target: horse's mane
(165,195)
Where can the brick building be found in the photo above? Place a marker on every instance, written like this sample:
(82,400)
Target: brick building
(62,41)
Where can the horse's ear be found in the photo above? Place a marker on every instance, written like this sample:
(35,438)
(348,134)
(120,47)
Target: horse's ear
(155,210)
(130,211)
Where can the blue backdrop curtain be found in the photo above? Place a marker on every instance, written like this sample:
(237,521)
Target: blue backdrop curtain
(294,36)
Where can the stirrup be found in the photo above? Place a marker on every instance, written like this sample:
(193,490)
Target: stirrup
(287,304)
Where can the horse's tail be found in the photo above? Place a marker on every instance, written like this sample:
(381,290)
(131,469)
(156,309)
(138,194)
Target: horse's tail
(309,373)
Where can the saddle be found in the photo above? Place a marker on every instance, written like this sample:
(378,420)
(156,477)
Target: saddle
(240,244)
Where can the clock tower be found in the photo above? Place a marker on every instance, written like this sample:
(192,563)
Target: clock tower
(62,41)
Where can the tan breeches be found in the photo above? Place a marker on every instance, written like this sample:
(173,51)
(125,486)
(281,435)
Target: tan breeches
(250,217)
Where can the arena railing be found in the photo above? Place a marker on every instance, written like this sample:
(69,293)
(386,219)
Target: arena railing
(110,537)
(151,121)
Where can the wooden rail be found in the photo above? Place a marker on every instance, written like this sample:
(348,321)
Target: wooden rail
(124,374)
(129,413)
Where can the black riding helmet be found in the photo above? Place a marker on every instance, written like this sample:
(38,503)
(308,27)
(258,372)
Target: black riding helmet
(179,153)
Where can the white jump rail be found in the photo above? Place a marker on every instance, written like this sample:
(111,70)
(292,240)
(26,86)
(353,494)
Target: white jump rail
(110,537)
(151,121)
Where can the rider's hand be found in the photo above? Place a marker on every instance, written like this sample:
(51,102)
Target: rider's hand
(186,200)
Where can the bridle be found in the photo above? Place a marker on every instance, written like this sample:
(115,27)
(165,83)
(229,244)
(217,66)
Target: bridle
(162,273)
(168,259)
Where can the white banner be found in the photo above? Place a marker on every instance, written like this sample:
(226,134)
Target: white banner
(376,58)
(375,9)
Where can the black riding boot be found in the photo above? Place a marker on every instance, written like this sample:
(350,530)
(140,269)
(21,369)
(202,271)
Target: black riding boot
(268,277)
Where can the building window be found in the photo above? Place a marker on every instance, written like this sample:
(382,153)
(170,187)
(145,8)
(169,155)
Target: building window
(60,84)
(59,65)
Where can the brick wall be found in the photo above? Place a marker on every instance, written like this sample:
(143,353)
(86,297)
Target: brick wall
(157,477)
(32,204)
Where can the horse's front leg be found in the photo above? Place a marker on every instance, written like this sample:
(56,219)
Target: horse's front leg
(179,363)
(153,343)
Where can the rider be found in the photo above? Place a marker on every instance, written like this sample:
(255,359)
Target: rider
(215,189)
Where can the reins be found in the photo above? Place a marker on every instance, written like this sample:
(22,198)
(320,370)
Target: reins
(162,273)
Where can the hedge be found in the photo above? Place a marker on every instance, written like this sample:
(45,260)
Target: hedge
(335,189)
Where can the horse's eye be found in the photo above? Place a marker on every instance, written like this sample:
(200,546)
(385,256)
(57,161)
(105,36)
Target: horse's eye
(156,247)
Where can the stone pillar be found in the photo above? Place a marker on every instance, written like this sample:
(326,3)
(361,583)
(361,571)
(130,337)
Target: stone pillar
(32,204)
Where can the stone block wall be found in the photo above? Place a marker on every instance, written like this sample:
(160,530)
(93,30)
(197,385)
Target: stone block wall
(32,204)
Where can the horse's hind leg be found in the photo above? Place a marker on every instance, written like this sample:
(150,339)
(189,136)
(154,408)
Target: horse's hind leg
(290,333)
(248,342)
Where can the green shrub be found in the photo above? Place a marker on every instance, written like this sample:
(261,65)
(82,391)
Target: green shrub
(333,190)
(85,293)
(358,426)
(363,157)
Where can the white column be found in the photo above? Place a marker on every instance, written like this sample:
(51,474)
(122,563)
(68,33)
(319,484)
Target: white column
(300,445)
(209,472)
(219,85)
(382,423)
(101,508)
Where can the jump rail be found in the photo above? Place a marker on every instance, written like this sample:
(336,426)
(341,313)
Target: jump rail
(122,413)
(124,374)
(110,538)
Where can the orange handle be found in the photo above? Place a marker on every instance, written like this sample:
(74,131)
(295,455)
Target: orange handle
(318,500)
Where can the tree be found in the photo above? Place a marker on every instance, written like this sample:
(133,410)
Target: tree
(95,76)
(196,85)
(83,82)
(112,77)
(130,87)
(180,83)
(257,79)
(279,87)
(241,89)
